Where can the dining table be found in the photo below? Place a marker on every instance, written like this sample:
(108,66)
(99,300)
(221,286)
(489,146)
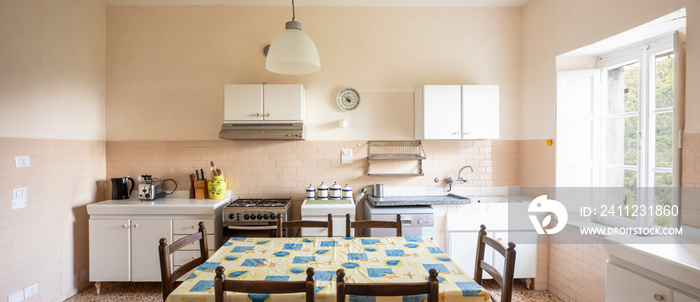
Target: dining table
(364,259)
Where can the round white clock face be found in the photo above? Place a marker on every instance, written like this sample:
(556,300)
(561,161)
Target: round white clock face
(348,99)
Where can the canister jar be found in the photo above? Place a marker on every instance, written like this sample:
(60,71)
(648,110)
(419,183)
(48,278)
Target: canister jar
(335,191)
(347,192)
(322,192)
(310,192)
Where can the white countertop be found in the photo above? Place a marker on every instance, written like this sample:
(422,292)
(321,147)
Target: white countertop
(676,257)
(178,203)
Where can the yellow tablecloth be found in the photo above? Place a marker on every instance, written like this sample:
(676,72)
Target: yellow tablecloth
(374,259)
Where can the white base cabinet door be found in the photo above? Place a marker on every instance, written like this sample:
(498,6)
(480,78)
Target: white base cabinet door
(109,250)
(145,234)
(681,297)
(624,285)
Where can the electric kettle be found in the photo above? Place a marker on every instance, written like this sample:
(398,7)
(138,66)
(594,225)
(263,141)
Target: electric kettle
(119,187)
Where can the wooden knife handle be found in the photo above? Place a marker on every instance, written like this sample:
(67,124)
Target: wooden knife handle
(191,185)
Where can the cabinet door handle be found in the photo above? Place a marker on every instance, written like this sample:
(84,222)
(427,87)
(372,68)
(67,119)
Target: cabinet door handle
(658,297)
(499,239)
(124,226)
(267,115)
(257,114)
(136,225)
(455,133)
(192,226)
(467,132)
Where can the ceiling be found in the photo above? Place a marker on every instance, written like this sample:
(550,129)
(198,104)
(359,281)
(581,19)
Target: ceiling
(392,3)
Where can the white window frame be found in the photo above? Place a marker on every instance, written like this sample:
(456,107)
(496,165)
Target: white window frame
(645,53)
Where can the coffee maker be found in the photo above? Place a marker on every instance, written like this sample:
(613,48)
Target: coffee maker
(120,187)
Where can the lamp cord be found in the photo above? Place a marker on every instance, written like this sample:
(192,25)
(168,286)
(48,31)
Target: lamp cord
(293,14)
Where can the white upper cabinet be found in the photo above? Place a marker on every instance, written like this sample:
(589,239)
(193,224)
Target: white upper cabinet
(455,112)
(480,112)
(268,102)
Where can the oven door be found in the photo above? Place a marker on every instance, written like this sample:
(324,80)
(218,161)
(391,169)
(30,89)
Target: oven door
(250,231)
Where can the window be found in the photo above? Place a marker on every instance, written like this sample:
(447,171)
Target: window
(615,129)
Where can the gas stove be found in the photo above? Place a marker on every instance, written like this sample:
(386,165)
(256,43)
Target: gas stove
(255,213)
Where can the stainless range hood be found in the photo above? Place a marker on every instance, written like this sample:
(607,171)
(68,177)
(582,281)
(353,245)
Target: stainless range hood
(247,130)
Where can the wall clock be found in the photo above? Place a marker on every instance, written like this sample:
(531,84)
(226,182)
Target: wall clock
(348,99)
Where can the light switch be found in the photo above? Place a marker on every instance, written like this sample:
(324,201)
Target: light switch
(22,161)
(19,198)
(16,297)
(346,156)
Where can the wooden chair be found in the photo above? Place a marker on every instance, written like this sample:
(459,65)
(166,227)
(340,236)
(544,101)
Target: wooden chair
(505,280)
(168,277)
(264,287)
(364,224)
(388,289)
(304,224)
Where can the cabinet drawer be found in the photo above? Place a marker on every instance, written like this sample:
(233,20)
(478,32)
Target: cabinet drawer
(194,246)
(191,226)
(181,257)
(624,285)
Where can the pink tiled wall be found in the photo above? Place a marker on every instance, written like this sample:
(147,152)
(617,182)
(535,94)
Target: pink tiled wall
(576,266)
(285,168)
(690,179)
(47,242)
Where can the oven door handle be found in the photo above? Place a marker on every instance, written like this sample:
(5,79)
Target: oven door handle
(247,227)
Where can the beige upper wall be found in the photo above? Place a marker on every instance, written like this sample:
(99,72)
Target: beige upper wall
(166,65)
(554,27)
(52,69)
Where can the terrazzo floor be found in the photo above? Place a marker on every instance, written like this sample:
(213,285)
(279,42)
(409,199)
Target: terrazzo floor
(149,291)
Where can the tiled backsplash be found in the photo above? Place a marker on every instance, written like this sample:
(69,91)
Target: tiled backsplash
(47,242)
(690,178)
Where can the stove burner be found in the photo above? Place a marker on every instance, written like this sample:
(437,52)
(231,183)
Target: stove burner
(260,203)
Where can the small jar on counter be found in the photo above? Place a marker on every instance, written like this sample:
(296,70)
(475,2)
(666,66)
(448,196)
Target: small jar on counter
(322,192)
(347,192)
(335,191)
(310,192)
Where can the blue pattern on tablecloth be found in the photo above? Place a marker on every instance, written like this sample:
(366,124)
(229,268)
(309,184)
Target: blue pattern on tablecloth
(350,265)
(258,297)
(357,256)
(369,241)
(415,298)
(262,242)
(277,278)
(321,252)
(292,246)
(438,266)
(236,274)
(378,272)
(395,253)
(370,249)
(281,254)
(362,299)
(296,270)
(319,288)
(435,250)
(192,276)
(253,262)
(413,239)
(393,262)
(411,245)
(231,258)
(303,259)
(440,279)
(209,266)
(324,275)
(306,240)
(241,249)
(329,243)
(202,286)
(443,259)
(469,289)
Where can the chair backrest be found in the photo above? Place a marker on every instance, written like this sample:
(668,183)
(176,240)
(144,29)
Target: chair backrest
(388,289)
(168,277)
(264,287)
(366,224)
(304,224)
(505,280)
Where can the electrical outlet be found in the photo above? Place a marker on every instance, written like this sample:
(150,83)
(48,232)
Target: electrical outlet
(16,297)
(22,161)
(19,198)
(31,290)
(346,156)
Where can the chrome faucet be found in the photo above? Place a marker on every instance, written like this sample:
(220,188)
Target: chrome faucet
(460,180)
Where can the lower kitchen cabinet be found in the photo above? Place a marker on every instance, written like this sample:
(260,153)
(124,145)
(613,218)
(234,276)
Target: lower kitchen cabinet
(625,285)
(462,234)
(126,249)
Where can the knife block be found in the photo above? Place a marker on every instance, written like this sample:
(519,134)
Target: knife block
(200,189)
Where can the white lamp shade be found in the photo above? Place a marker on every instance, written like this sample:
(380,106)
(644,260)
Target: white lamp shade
(293,52)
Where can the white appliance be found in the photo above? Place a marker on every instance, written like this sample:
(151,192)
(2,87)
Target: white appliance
(415,220)
(316,209)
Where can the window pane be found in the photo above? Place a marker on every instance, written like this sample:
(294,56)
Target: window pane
(623,89)
(663,138)
(620,178)
(663,197)
(664,80)
(622,141)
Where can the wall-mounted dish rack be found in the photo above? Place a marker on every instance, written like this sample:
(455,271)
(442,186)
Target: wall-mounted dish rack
(395,151)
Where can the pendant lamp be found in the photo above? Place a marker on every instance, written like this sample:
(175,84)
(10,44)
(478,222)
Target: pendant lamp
(292,51)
